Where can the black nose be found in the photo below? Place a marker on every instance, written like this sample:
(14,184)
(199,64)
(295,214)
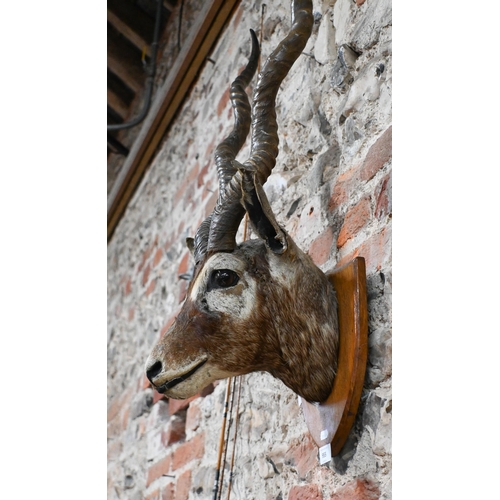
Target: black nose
(154,370)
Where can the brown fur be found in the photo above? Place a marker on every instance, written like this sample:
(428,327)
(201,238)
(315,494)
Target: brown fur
(291,333)
(281,315)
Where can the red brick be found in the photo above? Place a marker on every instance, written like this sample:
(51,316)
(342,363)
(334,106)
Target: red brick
(157,257)
(190,450)
(126,412)
(114,408)
(147,253)
(343,187)
(158,397)
(184,264)
(303,453)
(168,492)
(359,489)
(114,449)
(169,243)
(208,191)
(180,228)
(307,492)
(128,286)
(183,485)
(193,418)
(236,20)
(118,421)
(376,250)
(345,184)
(151,287)
(131,313)
(319,251)
(378,155)
(210,205)
(186,188)
(383,196)
(158,469)
(209,152)
(176,405)
(114,429)
(203,172)
(189,197)
(356,218)
(180,191)
(145,275)
(176,431)
(145,257)
(223,102)
(119,403)
(193,173)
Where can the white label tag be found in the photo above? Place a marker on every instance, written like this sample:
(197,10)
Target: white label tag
(323,435)
(325,454)
(300,400)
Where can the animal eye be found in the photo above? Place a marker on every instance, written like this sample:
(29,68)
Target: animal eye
(222,278)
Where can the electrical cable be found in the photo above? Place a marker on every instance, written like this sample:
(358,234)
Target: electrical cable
(151,72)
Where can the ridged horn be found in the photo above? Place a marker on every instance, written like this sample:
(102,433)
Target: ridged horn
(225,153)
(264,149)
(264,144)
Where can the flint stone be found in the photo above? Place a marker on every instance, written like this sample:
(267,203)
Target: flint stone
(324,48)
(266,469)
(342,70)
(352,133)
(274,187)
(203,480)
(129,481)
(141,403)
(323,166)
(379,355)
(378,418)
(342,13)
(366,88)
(377,16)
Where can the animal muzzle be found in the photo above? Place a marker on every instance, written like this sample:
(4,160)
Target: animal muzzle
(163,380)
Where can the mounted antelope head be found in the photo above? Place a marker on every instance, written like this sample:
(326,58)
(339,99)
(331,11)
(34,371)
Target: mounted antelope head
(261,305)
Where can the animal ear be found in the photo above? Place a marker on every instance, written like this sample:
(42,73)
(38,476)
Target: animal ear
(256,204)
(190,244)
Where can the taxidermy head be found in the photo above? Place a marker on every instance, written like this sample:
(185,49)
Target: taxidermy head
(260,304)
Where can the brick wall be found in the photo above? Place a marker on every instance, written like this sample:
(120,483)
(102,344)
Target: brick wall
(331,190)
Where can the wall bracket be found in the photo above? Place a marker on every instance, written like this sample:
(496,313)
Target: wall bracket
(330,422)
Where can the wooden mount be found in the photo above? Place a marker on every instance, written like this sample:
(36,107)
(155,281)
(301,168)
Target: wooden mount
(331,421)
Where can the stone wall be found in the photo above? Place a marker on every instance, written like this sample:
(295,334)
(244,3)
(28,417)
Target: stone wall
(331,190)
